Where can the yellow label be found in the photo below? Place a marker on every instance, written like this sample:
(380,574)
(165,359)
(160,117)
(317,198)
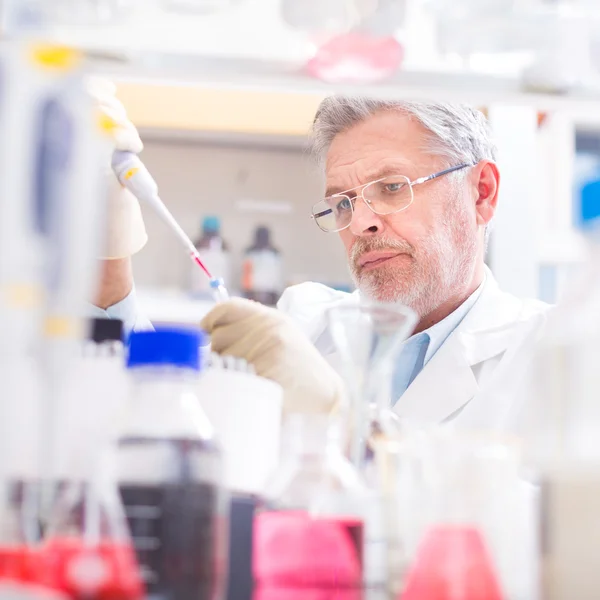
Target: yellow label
(56,57)
(22,295)
(61,327)
(131,172)
(105,123)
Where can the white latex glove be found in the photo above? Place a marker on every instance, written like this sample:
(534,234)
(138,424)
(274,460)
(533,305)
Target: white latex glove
(279,351)
(126,229)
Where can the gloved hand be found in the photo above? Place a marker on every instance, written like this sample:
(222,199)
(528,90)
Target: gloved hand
(126,229)
(279,351)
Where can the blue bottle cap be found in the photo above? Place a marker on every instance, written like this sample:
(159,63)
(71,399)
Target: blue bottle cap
(589,211)
(173,346)
(211,224)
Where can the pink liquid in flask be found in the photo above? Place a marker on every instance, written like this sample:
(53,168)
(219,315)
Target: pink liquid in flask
(356,57)
(452,563)
(295,553)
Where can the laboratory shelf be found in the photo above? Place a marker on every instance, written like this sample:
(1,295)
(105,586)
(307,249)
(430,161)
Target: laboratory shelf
(439,85)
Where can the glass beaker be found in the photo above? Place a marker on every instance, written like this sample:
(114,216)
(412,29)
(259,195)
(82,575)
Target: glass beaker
(368,337)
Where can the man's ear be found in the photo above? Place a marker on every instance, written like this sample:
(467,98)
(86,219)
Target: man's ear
(487,183)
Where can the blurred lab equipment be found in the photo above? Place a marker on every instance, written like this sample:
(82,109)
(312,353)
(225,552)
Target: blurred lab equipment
(105,338)
(320,18)
(52,155)
(262,278)
(133,175)
(87,551)
(309,535)
(256,333)
(370,52)
(198,6)
(246,411)
(564,423)
(462,506)
(213,250)
(171,470)
(368,338)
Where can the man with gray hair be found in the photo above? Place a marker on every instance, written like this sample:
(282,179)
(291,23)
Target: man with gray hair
(411,189)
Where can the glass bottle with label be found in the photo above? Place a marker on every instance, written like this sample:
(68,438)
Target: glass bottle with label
(262,278)
(170,470)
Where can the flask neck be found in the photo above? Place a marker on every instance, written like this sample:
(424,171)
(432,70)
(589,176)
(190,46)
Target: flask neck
(310,435)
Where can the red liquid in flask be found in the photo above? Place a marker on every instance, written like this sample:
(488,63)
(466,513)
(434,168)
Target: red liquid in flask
(106,571)
(20,563)
(295,553)
(452,563)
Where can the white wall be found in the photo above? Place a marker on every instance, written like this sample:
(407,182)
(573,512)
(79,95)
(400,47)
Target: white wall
(198,178)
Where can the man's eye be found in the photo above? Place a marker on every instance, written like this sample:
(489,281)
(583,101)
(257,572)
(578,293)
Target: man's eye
(344,204)
(394,187)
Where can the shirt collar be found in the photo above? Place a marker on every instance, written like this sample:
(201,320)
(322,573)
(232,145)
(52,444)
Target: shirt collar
(439,332)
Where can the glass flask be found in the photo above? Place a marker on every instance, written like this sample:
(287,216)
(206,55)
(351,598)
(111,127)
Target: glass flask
(170,470)
(367,337)
(308,536)
(369,50)
(87,552)
(462,503)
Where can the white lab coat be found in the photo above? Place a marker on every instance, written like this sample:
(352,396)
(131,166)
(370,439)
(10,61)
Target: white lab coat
(472,379)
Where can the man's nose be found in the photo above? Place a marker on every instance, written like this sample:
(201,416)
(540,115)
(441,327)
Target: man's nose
(364,220)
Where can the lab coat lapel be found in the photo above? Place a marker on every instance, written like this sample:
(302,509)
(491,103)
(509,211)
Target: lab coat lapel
(448,382)
(444,386)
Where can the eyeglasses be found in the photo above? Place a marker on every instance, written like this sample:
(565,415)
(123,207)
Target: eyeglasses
(384,196)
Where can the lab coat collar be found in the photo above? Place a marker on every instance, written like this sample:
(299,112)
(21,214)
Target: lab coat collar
(448,382)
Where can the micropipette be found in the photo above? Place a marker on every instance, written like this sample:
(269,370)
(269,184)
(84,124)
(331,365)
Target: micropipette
(133,175)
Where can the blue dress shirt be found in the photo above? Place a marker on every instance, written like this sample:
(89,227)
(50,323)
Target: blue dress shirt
(420,348)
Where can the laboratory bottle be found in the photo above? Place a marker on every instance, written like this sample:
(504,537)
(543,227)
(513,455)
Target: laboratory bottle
(262,277)
(308,532)
(562,416)
(214,252)
(170,470)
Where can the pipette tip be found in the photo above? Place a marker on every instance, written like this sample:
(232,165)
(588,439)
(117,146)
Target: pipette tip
(219,290)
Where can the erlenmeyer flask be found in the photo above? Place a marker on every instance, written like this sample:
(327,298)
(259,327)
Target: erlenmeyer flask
(367,337)
(87,552)
(308,536)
